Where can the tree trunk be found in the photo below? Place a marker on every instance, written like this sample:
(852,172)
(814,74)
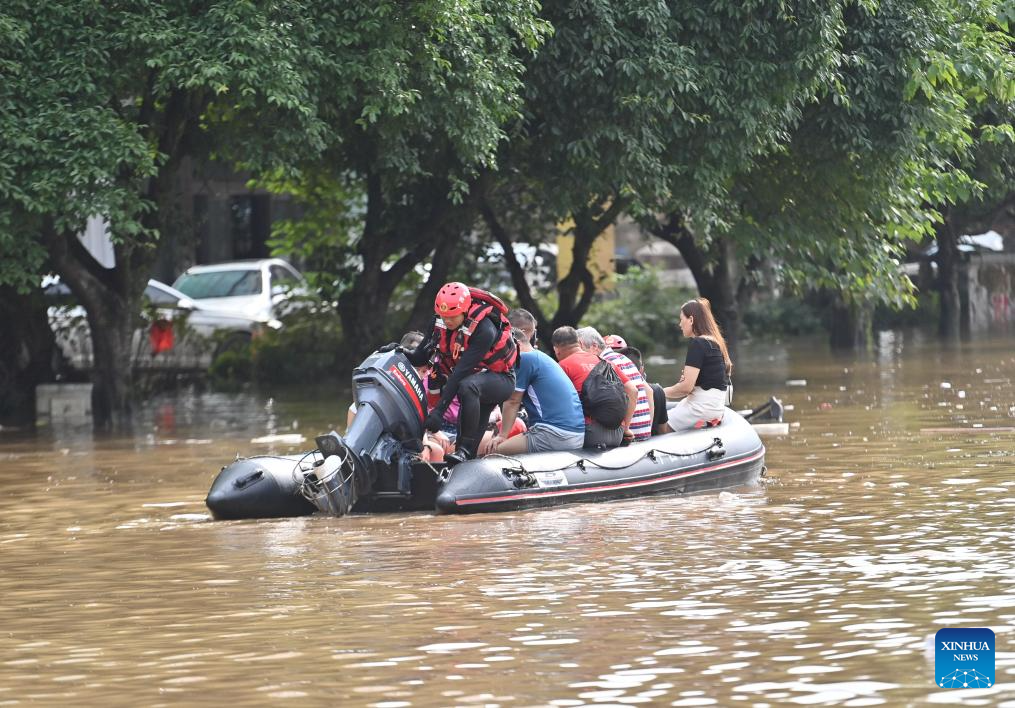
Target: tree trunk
(544,327)
(948,265)
(112,321)
(26,354)
(576,289)
(850,326)
(112,299)
(363,308)
(715,273)
(444,258)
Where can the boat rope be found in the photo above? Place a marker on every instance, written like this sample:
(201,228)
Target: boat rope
(442,475)
(715,451)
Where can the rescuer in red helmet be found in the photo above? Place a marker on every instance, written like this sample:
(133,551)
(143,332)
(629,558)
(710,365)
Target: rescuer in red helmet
(473,356)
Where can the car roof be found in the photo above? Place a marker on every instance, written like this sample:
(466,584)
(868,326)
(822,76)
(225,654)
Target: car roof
(249,264)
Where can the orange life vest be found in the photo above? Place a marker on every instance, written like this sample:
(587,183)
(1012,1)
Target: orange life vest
(503,355)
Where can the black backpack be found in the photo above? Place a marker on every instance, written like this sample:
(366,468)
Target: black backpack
(603,397)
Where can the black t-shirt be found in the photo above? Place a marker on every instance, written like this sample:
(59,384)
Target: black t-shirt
(706,356)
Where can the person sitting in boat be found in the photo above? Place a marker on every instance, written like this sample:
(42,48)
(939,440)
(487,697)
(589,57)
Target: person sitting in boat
(706,374)
(615,342)
(551,402)
(473,357)
(495,427)
(658,395)
(577,363)
(638,426)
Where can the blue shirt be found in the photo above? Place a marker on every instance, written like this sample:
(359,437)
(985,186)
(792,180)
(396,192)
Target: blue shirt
(550,397)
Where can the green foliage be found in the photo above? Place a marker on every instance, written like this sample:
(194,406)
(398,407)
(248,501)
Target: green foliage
(924,313)
(322,236)
(661,102)
(97,99)
(306,349)
(786,316)
(642,310)
(231,369)
(884,146)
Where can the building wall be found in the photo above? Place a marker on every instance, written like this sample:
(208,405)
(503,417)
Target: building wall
(991,288)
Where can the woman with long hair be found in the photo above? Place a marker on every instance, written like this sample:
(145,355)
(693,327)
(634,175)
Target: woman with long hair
(707,369)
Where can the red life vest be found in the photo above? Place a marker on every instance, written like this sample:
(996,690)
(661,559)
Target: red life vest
(452,343)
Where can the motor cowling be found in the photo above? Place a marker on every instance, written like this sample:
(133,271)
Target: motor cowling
(391,406)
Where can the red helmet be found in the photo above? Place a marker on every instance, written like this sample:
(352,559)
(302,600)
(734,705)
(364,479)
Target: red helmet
(452,299)
(614,341)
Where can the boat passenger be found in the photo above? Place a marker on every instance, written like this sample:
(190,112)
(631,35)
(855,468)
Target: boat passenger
(706,374)
(658,395)
(555,414)
(638,426)
(473,357)
(494,429)
(577,363)
(615,342)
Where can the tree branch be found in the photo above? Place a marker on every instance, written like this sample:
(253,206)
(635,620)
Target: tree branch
(511,261)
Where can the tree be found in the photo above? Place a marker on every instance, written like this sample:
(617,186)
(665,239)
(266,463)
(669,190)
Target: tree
(991,163)
(101,103)
(646,105)
(408,172)
(863,167)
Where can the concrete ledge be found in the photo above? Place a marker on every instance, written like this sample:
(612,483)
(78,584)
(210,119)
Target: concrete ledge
(63,403)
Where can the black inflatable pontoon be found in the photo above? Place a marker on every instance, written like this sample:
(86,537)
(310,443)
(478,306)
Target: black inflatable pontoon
(376,466)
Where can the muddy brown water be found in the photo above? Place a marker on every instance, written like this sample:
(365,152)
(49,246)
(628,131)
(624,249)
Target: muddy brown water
(887,514)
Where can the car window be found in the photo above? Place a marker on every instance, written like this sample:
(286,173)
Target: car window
(219,283)
(284,278)
(159,297)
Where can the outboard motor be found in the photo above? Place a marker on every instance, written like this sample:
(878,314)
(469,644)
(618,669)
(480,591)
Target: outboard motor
(373,459)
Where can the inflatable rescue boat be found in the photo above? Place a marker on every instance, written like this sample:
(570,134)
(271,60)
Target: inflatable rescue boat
(377,465)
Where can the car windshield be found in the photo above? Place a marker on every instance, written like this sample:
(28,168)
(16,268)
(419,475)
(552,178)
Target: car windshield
(219,283)
(157,296)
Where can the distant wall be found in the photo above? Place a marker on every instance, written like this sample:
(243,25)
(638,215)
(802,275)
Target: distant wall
(991,289)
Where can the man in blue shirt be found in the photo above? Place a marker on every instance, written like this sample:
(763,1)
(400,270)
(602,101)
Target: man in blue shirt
(556,421)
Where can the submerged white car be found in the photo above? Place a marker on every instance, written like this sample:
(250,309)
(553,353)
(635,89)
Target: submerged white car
(177,333)
(263,288)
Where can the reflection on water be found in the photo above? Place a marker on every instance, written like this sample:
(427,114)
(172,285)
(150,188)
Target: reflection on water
(886,515)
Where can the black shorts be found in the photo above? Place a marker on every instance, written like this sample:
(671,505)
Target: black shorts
(659,397)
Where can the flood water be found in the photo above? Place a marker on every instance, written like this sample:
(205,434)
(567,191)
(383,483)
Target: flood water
(887,513)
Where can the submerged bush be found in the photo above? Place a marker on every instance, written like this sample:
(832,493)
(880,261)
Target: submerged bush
(927,311)
(306,348)
(785,316)
(642,310)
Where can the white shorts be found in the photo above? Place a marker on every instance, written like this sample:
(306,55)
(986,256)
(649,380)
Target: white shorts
(698,409)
